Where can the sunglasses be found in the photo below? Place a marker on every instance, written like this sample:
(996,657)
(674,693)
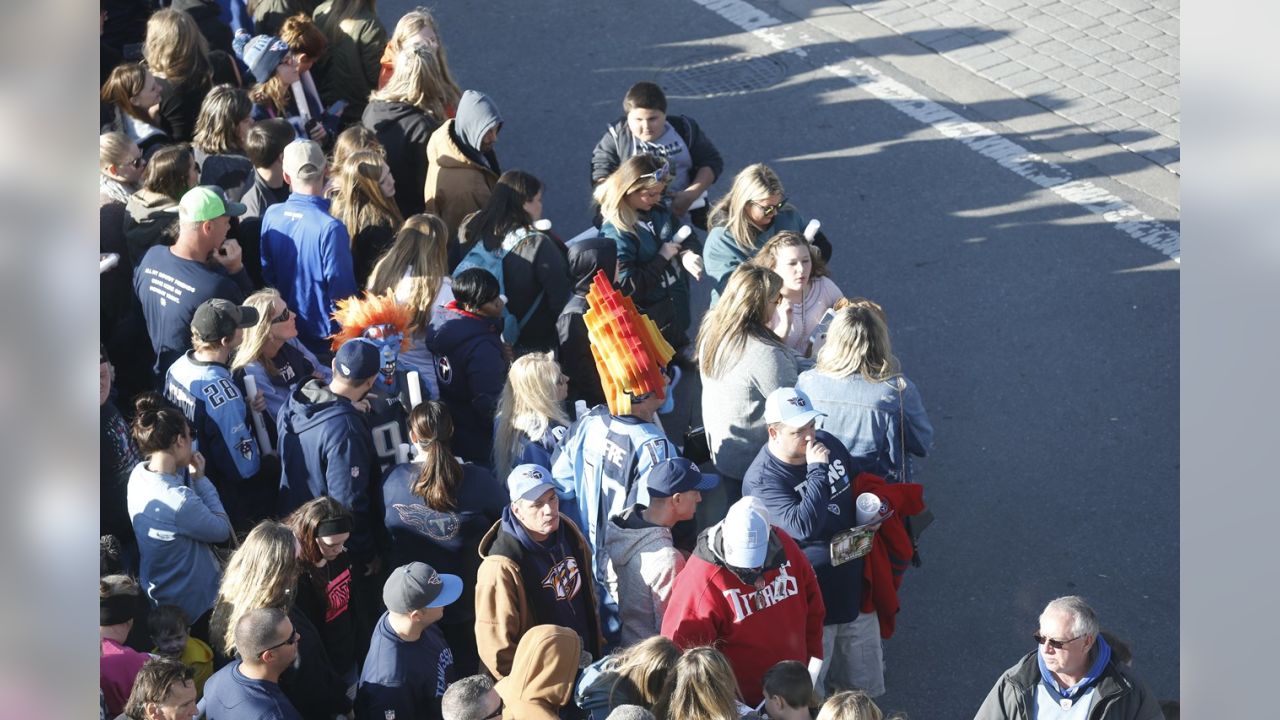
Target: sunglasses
(1055,644)
(293,638)
(768,210)
(659,175)
(284,315)
(138,162)
(496,713)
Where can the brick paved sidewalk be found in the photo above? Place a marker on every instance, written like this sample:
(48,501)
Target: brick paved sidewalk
(1108,65)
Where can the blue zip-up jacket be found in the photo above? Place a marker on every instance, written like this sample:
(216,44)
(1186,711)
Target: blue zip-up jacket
(812,503)
(175,520)
(306,255)
(326,448)
(470,371)
(875,420)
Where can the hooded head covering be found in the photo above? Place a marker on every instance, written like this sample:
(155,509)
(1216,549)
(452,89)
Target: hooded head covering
(542,673)
(476,115)
(588,256)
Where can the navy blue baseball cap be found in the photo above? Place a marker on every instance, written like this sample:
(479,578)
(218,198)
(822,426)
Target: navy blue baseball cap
(678,475)
(358,359)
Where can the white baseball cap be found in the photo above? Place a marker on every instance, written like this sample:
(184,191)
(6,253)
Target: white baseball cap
(744,535)
(790,407)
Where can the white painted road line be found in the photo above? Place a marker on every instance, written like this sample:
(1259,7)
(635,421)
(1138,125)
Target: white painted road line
(1013,157)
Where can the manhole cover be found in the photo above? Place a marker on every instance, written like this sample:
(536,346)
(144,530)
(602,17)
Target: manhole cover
(724,76)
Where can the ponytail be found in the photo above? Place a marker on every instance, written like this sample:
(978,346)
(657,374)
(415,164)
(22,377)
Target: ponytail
(437,483)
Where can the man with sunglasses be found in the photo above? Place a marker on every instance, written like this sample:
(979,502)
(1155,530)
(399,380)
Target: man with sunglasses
(1071,674)
(249,686)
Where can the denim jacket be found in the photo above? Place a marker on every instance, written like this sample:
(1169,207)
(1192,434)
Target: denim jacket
(864,416)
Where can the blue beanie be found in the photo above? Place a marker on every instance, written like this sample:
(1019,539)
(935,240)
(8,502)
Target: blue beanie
(262,53)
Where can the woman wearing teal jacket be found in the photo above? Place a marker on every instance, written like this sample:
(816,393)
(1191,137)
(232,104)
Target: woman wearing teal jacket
(644,230)
(755,210)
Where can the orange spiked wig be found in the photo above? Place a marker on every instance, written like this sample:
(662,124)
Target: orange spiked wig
(629,351)
(356,315)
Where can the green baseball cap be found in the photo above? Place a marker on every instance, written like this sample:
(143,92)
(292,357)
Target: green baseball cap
(206,202)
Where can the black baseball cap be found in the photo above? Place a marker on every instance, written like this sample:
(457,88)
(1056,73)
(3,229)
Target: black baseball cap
(217,319)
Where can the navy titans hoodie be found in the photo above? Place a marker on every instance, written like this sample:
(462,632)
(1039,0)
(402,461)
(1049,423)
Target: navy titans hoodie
(326,448)
(470,371)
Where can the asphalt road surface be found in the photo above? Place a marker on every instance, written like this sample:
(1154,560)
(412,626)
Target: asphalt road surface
(1043,336)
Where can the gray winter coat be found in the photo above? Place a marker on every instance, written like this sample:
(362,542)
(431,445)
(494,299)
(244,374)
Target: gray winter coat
(640,570)
(1120,696)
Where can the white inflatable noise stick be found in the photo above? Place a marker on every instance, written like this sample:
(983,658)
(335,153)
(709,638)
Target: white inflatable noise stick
(811,230)
(259,427)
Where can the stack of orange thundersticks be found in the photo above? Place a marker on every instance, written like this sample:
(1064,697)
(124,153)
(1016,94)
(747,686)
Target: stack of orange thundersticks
(629,351)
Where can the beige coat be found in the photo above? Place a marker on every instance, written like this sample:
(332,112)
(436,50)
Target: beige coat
(456,186)
(503,612)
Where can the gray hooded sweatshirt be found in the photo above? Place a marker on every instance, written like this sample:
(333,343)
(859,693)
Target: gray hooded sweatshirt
(476,115)
(640,569)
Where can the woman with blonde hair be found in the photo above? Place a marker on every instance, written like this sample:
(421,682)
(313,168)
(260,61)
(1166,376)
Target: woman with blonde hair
(644,229)
(272,354)
(221,129)
(417,269)
(701,687)
(178,54)
(417,28)
(365,205)
(634,675)
(850,705)
(436,510)
(531,415)
(742,361)
(133,92)
(349,70)
(807,292)
(753,211)
(403,114)
(263,573)
(870,405)
(120,165)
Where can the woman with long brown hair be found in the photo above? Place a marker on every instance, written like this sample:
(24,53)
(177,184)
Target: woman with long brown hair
(322,526)
(178,54)
(437,509)
(365,204)
(133,92)
(417,269)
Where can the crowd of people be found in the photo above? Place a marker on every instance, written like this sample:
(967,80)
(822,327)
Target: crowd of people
(377,443)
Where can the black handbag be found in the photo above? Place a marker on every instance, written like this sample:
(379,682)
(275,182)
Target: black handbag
(696,448)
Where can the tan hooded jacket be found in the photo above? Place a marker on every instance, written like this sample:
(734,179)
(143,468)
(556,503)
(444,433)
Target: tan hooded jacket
(503,611)
(456,185)
(542,674)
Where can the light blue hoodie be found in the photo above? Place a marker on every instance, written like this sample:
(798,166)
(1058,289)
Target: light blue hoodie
(175,520)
